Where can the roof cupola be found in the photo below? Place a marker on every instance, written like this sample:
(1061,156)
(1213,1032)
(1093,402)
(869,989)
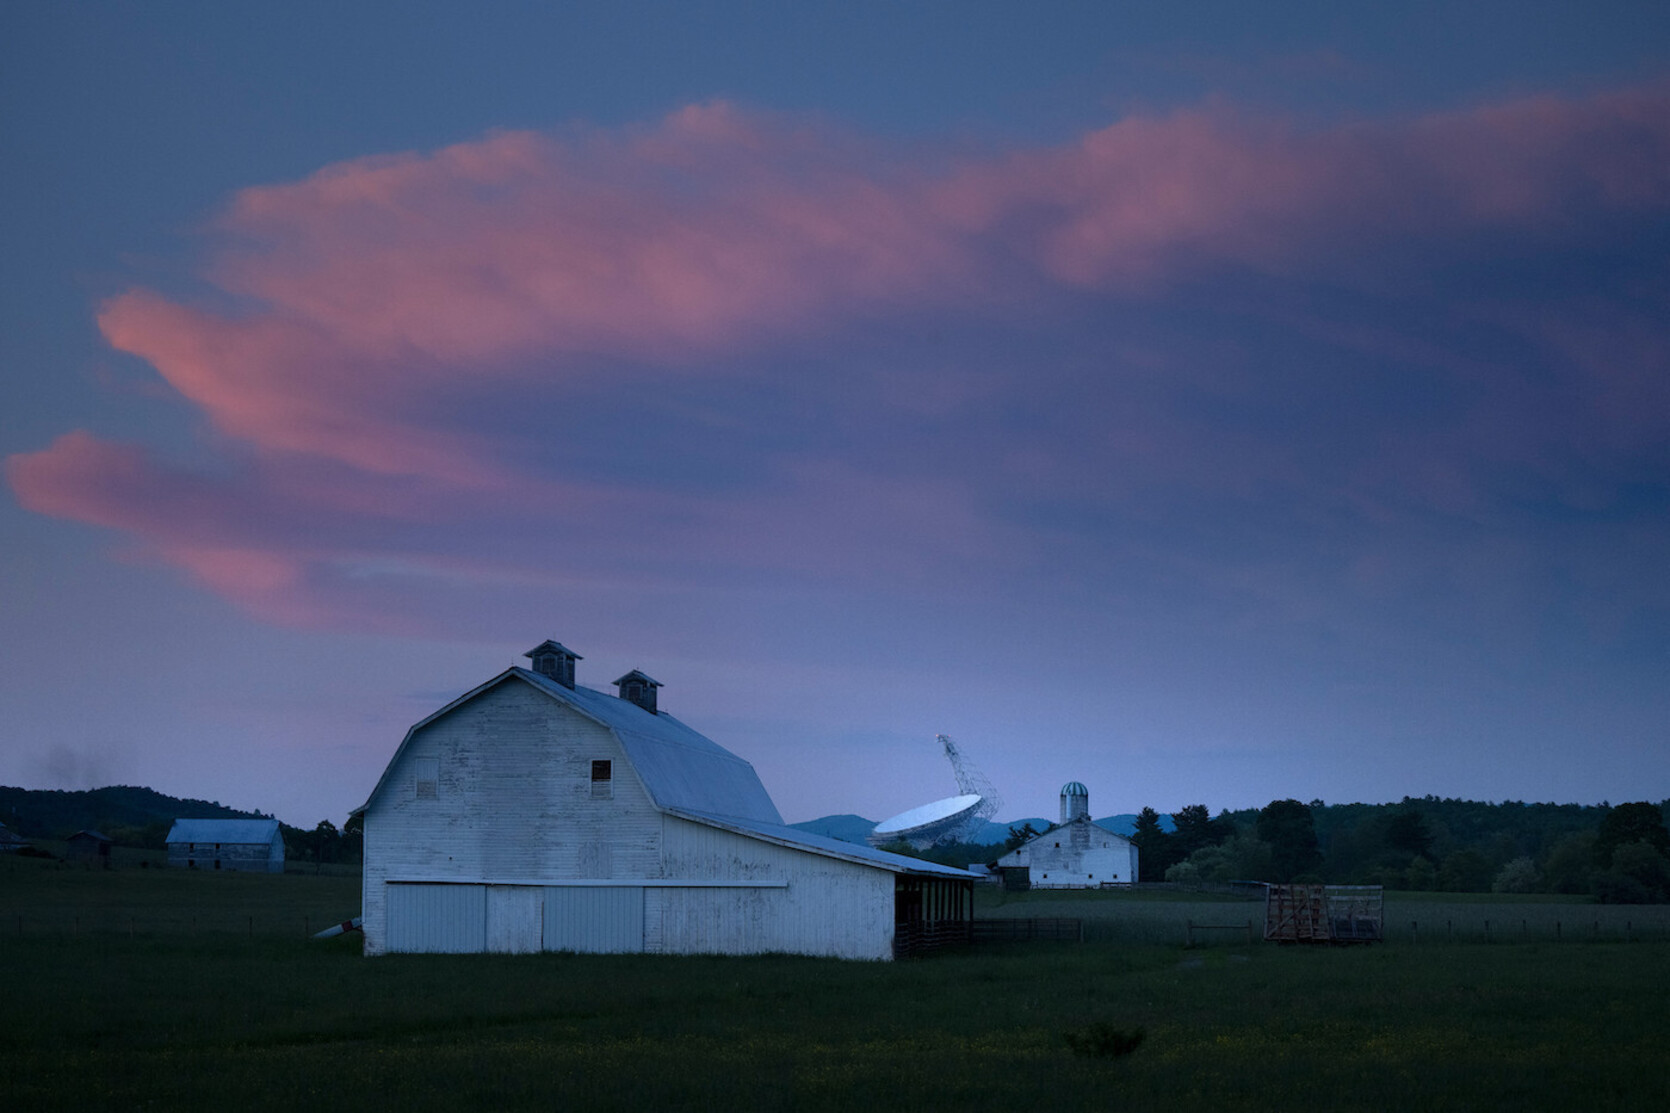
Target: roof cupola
(637,688)
(554,660)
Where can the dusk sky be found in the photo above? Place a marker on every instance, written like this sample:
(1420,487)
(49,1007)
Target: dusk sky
(1211,402)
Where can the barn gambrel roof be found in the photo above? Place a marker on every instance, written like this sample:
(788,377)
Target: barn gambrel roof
(242,831)
(686,773)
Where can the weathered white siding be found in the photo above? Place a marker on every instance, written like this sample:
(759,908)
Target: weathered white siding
(826,907)
(249,857)
(515,919)
(488,833)
(511,800)
(1078,856)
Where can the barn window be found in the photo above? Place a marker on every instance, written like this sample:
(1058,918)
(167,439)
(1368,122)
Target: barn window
(602,780)
(426,778)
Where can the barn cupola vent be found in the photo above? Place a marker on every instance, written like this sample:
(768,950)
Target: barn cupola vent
(554,660)
(637,688)
(1075,802)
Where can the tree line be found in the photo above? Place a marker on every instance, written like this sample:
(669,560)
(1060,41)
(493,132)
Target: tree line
(134,816)
(1618,854)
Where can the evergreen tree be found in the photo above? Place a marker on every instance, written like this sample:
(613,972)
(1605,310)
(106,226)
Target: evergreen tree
(1196,829)
(1290,830)
(1155,852)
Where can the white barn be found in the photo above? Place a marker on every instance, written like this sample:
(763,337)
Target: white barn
(227,844)
(532,814)
(1076,853)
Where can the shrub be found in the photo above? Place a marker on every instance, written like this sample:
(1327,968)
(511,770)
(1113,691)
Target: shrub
(1518,876)
(1102,1040)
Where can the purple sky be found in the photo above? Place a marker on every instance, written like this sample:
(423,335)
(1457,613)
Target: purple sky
(1207,406)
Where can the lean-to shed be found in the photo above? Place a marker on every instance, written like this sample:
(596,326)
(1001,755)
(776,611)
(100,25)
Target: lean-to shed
(88,846)
(533,814)
(255,845)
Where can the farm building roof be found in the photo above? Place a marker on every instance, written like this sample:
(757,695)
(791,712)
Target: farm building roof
(688,774)
(680,767)
(823,844)
(223,830)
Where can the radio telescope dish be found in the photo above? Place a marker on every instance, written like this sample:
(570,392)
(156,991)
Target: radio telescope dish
(927,824)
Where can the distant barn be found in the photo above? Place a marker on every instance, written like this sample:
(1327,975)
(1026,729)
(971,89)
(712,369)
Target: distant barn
(1074,854)
(534,814)
(89,846)
(252,845)
(9,841)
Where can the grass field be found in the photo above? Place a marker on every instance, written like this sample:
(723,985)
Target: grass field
(157,1014)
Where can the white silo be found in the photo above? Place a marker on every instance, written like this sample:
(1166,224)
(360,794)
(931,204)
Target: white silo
(1075,802)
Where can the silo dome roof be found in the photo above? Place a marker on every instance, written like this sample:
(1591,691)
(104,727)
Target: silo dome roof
(1074,788)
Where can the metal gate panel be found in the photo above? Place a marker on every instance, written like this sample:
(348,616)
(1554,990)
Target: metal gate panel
(437,919)
(513,919)
(601,919)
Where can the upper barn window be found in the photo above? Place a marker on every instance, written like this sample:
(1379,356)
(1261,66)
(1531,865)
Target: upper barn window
(602,780)
(426,778)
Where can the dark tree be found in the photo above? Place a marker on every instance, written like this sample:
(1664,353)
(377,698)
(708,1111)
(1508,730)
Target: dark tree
(325,839)
(1291,832)
(1407,833)
(1627,823)
(1019,837)
(1197,830)
(1156,850)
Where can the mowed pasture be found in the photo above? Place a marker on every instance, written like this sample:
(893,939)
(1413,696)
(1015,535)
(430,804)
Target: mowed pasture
(162,998)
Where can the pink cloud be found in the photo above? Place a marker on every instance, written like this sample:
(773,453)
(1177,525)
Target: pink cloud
(361,313)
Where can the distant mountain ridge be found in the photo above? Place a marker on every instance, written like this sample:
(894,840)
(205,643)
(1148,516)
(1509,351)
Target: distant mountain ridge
(854,828)
(51,813)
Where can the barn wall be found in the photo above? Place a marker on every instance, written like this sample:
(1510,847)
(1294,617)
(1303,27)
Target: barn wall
(1056,860)
(257,857)
(828,906)
(511,798)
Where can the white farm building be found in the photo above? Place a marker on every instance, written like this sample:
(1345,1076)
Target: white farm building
(227,844)
(1074,854)
(534,814)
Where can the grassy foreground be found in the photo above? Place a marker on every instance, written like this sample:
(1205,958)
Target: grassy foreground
(153,1015)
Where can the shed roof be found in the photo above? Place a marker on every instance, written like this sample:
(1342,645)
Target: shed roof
(223,830)
(830,848)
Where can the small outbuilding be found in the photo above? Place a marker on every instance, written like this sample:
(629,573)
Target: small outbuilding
(535,814)
(89,846)
(10,842)
(1074,854)
(251,845)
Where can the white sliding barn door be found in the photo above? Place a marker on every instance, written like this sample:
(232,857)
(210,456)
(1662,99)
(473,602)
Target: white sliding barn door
(436,919)
(514,915)
(604,919)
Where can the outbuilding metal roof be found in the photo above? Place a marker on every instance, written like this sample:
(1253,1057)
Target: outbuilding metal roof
(223,830)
